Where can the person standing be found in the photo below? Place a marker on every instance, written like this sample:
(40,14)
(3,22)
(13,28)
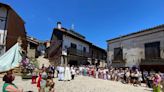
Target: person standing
(145,77)
(43,81)
(53,70)
(140,78)
(127,76)
(162,81)
(34,77)
(67,74)
(85,71)
(97,73)
(104,74)
(156,83)
(80,70)
(73,72)
(49,69)
(93,72)
(57,69)
(61,73)
(39,81)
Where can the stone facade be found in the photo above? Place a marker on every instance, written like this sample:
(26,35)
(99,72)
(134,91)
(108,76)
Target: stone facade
(133,46)
(32,47)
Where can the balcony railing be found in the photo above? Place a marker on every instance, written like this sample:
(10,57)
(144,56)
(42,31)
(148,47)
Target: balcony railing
(152,62)
(72,51)
(99,57)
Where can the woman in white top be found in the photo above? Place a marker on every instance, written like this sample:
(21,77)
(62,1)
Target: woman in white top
(73,72)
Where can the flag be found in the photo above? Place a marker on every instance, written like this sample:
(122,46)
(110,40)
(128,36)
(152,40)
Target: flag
(11,58)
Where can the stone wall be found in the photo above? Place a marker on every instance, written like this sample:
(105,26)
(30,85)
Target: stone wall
(133,46)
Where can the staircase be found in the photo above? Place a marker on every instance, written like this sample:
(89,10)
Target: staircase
(55,53)
(41,60)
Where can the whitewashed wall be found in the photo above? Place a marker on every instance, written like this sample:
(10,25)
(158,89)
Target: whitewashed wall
(3,15)
(133,47)
(67,40)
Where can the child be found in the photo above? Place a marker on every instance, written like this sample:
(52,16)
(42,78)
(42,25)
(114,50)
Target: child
(38,82)
(34,77)
(50,86)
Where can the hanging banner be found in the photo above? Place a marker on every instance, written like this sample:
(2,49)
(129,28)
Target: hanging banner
(11,58)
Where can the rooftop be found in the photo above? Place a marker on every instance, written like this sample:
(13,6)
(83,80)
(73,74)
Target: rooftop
(33,40)
(8,7)
(149,29)
(73,34)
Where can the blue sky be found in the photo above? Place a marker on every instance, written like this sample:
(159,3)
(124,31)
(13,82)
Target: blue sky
(98,20)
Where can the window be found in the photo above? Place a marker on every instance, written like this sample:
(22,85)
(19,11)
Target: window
(73,45)
(84,49)
(152,50)
(118,54)
(80,47)
(1,39)
(65,47)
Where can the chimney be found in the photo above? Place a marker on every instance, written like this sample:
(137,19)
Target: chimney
(59,26)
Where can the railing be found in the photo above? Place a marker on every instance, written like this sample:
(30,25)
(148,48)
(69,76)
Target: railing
(72,51)
(152,61)
(99,57)
(119,60)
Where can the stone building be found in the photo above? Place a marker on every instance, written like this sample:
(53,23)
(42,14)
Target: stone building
(144,49)
(98,56)
(11,27)
(33,44)
(70,47)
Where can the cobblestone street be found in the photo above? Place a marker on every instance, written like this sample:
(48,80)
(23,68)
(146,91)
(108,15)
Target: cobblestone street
(82,84)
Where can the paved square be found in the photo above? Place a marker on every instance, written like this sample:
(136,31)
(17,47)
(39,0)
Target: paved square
(82,84)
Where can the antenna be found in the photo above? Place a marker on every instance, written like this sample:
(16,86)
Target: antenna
(72,26)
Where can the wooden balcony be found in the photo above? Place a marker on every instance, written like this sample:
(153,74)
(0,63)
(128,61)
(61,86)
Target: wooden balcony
(72,51)
(152,62)
(118,63)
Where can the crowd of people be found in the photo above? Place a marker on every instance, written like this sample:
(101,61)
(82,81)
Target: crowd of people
(66,73)
(45,83)
(44,79)
(132,76)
